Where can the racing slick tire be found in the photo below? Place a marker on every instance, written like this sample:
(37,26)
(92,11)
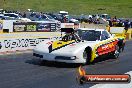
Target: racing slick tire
(116,53)
(87,57)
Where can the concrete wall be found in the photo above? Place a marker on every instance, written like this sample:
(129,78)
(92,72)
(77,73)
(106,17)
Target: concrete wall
(24,41)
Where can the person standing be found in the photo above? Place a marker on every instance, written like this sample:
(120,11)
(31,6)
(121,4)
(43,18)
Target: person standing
(131,24)
(126,25)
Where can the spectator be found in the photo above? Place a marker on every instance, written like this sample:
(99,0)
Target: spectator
(40,16)
(114,21)
(126,25)
(24,15)
(110,23)
(90,20)
(32,14)
(120,24)
(131,24)
(64,19)
(115,18)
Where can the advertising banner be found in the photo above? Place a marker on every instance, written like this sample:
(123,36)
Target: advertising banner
(43,27)
(33,27)
(24,26)
(19,27)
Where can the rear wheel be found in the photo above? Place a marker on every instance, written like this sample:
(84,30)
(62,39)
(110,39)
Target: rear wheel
(116,53)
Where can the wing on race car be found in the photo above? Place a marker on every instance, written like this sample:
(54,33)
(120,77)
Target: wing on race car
(67,30)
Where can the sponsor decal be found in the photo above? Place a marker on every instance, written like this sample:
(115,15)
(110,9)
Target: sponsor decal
(43,27)
(106,48)
(31,27)
(72,44)
(19,28)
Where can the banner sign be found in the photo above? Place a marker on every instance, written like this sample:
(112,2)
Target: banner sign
(33,27)
(43,27)
(19,27)
(19,44)
(24,26)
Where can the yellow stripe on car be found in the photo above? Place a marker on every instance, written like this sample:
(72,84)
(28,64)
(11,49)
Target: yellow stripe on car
(58,43)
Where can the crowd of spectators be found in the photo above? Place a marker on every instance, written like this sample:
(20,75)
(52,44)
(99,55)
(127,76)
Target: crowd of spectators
(95,19)
(118,22)
(91,20)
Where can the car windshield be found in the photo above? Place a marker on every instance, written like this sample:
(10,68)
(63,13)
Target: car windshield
(80,32)
(50,17)
(91,35)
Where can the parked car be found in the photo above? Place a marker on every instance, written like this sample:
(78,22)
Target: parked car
(16,16)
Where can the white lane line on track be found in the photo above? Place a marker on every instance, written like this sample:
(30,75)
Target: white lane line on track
(15,52)
(127,85)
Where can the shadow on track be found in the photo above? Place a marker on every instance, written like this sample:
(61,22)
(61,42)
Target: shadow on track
(51,63)
(102,60)
(65,65)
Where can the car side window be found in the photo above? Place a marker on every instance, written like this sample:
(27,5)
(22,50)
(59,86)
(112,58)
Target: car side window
(104,35)
(11,15)
(14,16)
(44,17)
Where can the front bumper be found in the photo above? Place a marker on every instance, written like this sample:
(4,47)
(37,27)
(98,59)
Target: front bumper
(52,57)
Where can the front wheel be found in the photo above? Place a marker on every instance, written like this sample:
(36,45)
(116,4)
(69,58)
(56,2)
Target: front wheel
(116,53)
(86,56)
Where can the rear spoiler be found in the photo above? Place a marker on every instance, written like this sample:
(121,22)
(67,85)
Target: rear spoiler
(67,30)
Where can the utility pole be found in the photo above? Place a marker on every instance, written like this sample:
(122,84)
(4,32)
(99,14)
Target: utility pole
(4,6)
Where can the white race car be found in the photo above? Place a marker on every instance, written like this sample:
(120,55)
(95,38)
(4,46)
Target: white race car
(71,48)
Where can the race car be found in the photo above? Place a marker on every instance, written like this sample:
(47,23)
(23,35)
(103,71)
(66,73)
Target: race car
(85,48)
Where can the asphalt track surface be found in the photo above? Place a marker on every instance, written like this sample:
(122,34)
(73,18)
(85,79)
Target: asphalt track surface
(22,70)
